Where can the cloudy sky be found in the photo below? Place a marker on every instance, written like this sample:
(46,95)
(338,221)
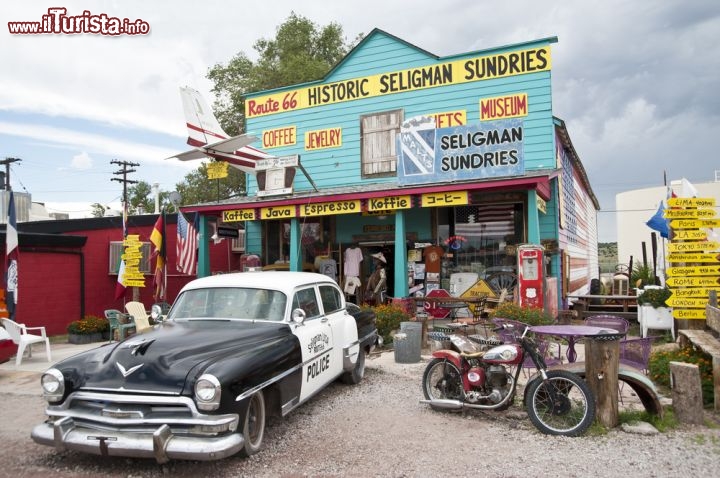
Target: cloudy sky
(636,83)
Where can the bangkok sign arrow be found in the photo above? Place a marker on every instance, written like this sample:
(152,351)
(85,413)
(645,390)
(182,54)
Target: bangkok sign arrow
(693,292)
(693,281)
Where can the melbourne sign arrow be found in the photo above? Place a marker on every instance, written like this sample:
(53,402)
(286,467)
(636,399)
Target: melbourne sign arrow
(692,257)
(693,281)
(690,302)
(685,314)
(691,202)
(689,213)
(693,271)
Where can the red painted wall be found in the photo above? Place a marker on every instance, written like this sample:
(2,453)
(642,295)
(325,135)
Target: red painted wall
(50,282)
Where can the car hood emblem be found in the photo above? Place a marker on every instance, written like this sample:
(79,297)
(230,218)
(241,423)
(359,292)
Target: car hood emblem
(124,372)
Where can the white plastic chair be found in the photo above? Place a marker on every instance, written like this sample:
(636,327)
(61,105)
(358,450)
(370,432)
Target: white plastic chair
(139,315)
(20,336)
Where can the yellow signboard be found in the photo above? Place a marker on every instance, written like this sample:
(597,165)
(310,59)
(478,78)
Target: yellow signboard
(501,107)
(688,314)
(694,292)
(451,198)
(693,246)
(279,137)
(389,203)
(687,302)
(323,139)
(693,281)
(465,70)
(479,289)
(237,215)
(689,235)
(690,257)
(330,208)
(278,212)
(217,170)
(541,205)
(693,271)
(689,213)
(691,202)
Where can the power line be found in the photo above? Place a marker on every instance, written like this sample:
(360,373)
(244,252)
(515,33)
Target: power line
(124,171)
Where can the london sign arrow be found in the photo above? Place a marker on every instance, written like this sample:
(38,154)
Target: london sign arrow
(692,257)
(686,314)
(691,202)
(693,271)
(702,246)
(693,281)
(691,302)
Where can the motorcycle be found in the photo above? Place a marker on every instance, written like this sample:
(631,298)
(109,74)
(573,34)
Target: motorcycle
(482,373)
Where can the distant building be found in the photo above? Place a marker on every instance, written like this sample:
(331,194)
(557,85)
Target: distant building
(636,207)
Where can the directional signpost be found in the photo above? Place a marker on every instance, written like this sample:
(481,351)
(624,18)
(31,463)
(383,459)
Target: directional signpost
(695,261)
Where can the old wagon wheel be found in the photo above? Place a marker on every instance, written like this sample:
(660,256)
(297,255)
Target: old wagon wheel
(503,282)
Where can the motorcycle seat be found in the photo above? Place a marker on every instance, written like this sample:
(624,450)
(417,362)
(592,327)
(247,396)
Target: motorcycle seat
(472,355)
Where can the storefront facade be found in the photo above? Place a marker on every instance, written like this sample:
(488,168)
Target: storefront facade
(399,151)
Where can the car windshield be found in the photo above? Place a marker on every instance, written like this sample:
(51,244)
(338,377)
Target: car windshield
(229,303)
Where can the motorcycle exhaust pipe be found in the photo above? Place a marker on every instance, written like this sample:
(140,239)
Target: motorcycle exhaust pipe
(444,403)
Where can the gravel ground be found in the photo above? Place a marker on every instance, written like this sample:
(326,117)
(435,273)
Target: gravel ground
(378,429)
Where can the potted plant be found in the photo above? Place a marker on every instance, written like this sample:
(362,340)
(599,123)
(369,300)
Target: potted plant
(653,311)
(88,329)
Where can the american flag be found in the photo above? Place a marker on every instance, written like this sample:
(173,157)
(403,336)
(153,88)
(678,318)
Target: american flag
(186,246)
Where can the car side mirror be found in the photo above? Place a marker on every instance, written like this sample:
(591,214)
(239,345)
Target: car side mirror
(298,316)
(156,313)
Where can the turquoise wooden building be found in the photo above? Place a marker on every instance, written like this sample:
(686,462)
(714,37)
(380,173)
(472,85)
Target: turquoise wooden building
(400,151)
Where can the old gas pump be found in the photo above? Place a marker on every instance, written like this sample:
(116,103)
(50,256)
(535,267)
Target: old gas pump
(531,277)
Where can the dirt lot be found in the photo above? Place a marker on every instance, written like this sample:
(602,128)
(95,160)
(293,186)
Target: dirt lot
(376,429)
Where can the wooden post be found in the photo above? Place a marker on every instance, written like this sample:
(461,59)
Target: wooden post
(686,392)
(602,357)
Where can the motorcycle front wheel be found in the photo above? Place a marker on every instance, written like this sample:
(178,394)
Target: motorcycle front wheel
(442,380)
(561,405)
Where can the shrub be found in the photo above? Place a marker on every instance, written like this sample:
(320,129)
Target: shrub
(528,315)
(655,297)
(88,325)
(389,317)
(659,367)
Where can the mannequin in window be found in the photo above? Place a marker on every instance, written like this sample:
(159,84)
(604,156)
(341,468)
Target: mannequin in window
(377,284)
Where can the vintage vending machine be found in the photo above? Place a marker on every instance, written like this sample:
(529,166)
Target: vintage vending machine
(531,277)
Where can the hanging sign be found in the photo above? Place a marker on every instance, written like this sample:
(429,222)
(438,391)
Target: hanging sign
(278,212)
(237,215)
(217,170)
(455,198)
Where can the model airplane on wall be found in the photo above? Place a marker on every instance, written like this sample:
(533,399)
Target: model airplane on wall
(207,137)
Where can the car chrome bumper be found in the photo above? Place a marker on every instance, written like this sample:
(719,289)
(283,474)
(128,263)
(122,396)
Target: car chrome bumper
(162,444)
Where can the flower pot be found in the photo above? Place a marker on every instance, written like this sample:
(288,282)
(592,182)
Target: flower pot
(78,339)
(655,318)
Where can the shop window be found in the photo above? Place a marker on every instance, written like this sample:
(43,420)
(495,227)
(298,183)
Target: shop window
(116,251)
(378,133)
(314,242)
(485,238)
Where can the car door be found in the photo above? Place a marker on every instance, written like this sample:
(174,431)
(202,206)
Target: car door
(320,361)
(342,324)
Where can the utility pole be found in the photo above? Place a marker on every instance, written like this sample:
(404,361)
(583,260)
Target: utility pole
(124,171)
(7,162)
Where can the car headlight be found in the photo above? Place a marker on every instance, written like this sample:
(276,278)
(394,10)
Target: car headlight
(207,392)
(53,385)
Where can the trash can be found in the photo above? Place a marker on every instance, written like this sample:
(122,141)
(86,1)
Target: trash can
(407,342)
